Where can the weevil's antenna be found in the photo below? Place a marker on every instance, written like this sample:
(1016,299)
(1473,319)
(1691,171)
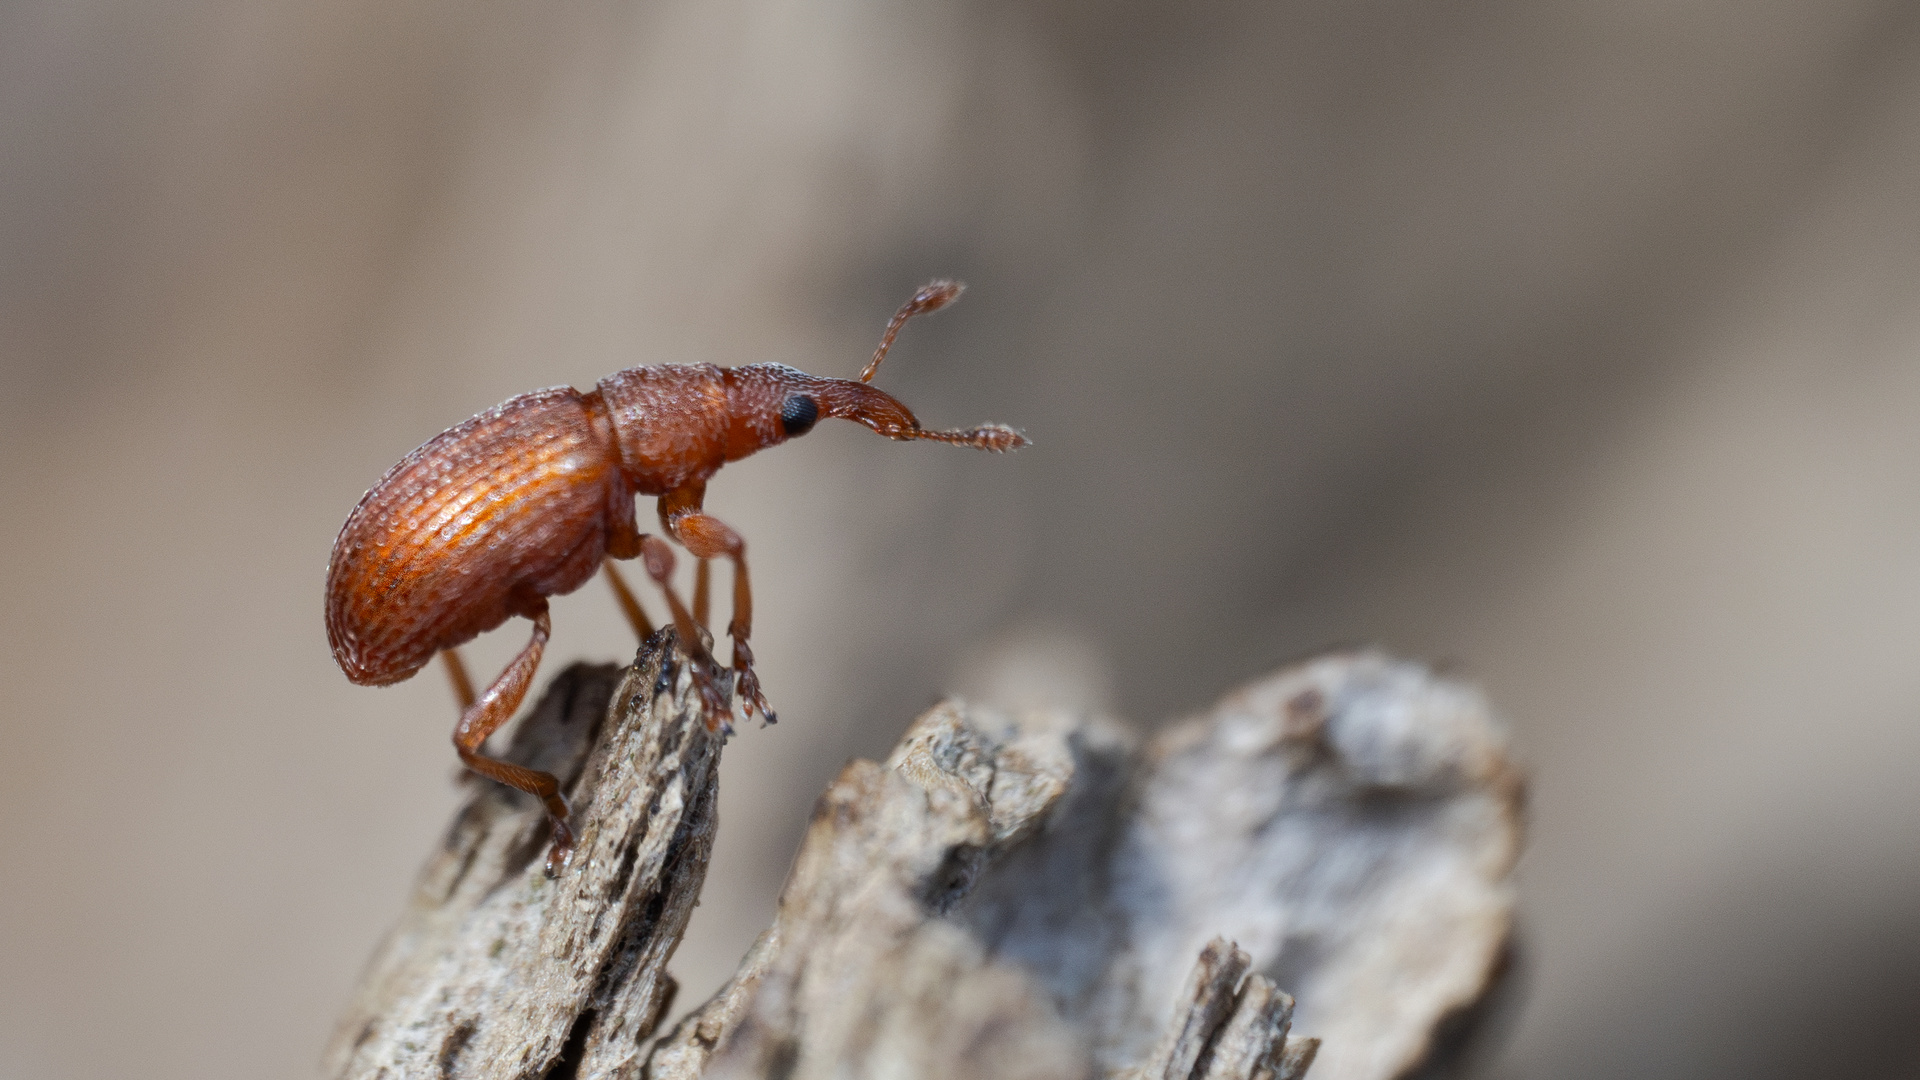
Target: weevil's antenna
(932,297)
(996,438)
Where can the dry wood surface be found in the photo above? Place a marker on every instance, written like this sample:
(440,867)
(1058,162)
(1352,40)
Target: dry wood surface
(1315,873)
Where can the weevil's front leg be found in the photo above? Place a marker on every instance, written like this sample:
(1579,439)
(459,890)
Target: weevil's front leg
(658,558)
(708,537)
(626,541)
(494,708)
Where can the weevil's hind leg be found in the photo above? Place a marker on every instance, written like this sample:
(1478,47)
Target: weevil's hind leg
(659,560)
(494,708)
(629,603)
(623,542)
(702,591)
(457,675)
(709,537)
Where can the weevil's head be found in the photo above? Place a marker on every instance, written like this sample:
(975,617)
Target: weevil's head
(772,403)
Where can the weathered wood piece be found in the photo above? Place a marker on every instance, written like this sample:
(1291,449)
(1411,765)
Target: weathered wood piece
(1007,896)
(496,971)
(1350,822)
(861,973)
(1228,1025)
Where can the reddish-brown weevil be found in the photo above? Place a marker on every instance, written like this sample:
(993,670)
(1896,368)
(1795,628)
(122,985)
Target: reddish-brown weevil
(529,498)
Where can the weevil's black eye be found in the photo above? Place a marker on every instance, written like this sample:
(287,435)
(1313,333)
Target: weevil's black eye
(797,415)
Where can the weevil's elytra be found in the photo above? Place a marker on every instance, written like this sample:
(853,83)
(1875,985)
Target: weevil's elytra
(530,498)
(450,541)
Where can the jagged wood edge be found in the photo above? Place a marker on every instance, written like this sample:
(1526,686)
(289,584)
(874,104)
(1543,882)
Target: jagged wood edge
(888,850)
(860,930)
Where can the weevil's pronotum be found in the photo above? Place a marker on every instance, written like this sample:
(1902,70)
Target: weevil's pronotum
(529,498)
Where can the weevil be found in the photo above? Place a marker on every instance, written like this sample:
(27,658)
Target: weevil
(530,498)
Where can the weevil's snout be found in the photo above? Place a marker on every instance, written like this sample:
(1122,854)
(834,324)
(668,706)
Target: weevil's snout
(881,411)
(865,404)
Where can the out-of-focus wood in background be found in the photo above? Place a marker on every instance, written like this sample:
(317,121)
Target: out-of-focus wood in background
(1573,342)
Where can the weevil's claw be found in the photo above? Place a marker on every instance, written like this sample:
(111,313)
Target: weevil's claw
(747,683)
(714,703)
(560,853)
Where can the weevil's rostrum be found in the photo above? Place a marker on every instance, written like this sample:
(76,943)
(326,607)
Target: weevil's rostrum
(528,499)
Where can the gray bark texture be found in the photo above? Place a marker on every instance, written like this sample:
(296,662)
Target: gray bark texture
(1328,851)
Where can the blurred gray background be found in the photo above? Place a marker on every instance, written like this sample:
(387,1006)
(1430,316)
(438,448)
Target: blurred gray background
(1575,344)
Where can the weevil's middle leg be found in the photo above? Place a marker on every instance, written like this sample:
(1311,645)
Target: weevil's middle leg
(494,708)
(457,675)
(702,590)
(626,541)
(629,603)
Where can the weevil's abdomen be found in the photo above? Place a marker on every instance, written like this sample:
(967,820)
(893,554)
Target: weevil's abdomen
(458,536)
